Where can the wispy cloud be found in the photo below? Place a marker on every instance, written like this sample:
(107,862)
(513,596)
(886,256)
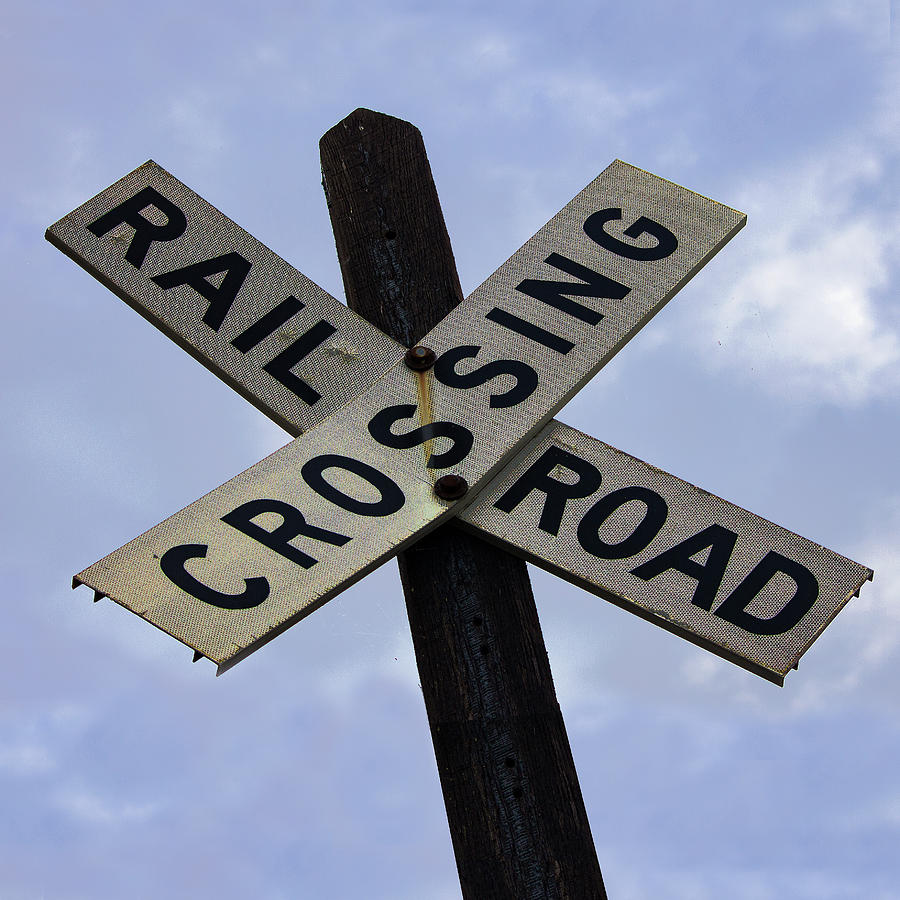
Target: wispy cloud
(90,808)
(870,18)
(25,757)
(31,742)
(811,309)
(809,313)
(196,118)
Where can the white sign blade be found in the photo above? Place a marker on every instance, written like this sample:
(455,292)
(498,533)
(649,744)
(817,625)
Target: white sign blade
(277,338)
(580,288)
(682,558)
(298,354)
(262,551)
(507,360)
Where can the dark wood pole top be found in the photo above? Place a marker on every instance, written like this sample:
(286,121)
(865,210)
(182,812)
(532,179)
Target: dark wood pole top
(392,233)
(514,805)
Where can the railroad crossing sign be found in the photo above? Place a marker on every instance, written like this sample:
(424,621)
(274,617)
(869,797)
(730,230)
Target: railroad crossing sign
(390,444)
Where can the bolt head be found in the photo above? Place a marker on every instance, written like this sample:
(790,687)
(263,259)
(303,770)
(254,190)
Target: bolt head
(419,358)
(451,487)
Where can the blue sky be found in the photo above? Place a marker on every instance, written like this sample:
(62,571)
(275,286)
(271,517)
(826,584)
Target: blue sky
(771,380)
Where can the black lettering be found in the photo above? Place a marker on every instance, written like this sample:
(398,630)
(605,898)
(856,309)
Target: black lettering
(526,377)
(280,367)
(734,607)
(172,564)
(145,232)
(645,531)
(391,499)
(293,524)
(538,478)
(274,318)
(708,575)
(530,330)
(195,276)
(380,429)
(552,292)
(666,242)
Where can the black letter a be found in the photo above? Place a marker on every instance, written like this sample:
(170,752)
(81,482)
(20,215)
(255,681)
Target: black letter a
(220,298)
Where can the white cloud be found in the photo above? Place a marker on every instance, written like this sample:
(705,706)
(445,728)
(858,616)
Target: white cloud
(90,808)
(341,683)
(811,310)
(488,53)
(808,312)
(72,169)
(633,879)
(572,95)
(25,758)
(871,815)
(196,117)
(30,743)
(877,610)
(871,18)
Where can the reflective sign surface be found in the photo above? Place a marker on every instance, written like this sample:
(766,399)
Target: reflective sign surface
(241,564)
(267,330)
(659,547)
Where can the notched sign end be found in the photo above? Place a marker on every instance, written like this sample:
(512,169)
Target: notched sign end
(866,574)
(733,654)
(77,582)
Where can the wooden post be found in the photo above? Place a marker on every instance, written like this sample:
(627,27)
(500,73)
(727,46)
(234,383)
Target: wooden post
(514,805)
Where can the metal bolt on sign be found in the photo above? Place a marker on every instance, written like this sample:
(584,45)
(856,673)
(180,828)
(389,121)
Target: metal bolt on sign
(419,359)
(464,416)
(451,487)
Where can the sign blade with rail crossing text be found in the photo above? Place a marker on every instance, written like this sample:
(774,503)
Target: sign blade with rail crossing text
(277,338)
(222,575)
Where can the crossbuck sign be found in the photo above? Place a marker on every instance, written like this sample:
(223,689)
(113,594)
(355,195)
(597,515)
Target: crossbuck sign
(390,444)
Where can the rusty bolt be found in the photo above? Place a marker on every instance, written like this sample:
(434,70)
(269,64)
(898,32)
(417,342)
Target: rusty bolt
(419,358)
(451,487)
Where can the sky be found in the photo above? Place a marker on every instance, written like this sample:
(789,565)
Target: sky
(771,380)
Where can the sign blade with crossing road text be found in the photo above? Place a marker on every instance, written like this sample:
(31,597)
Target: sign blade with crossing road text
(508,358)
(678,556)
